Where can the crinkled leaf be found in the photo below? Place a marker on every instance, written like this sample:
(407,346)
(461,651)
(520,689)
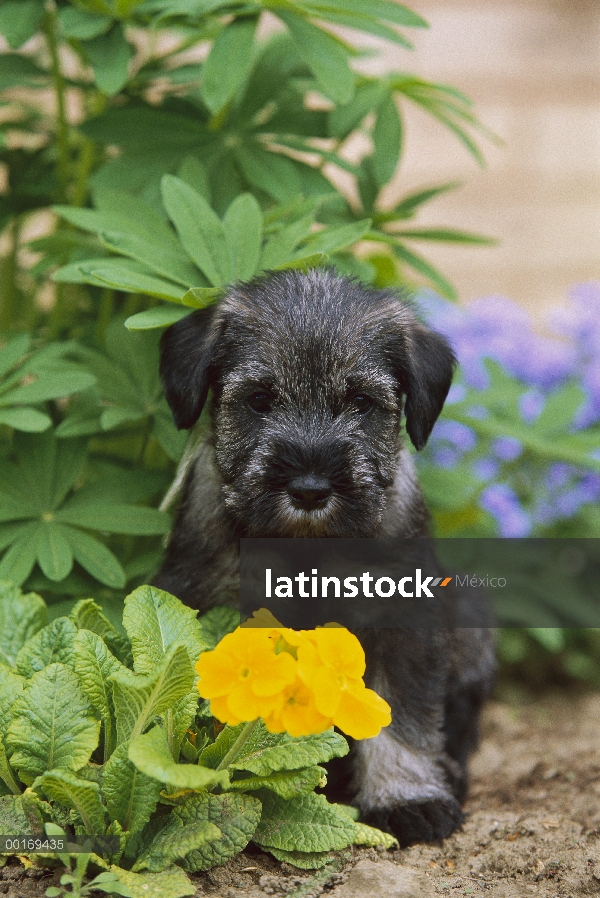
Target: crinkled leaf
(217,622)
(175,841)
(13,819)
(83,796)
(286,783)
(235,815)
(307,823)
(304,860)
(87,615)
(21,616)
(264,752)
(94,664)
(51,644)
(139,699)
(156,620)
(53,726)
(171,883)
(8,780)
(131,796)
(11,686)
(371,837)
(150,754)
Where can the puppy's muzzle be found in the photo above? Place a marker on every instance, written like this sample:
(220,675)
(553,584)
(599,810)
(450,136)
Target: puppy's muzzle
(309,492)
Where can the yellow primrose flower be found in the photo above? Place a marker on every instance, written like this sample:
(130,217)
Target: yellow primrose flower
(244,671)
(297,713)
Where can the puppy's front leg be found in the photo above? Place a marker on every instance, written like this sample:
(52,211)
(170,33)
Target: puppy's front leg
(403,775)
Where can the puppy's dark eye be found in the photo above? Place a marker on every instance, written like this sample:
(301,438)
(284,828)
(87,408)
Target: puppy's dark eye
(362,403)
(260,402)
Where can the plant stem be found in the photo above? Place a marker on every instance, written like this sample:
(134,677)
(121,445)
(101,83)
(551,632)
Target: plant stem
(64,160)
(9,295)
(238,744)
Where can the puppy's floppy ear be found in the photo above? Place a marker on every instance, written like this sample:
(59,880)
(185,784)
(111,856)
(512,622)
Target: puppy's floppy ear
(426,376)
(187,351)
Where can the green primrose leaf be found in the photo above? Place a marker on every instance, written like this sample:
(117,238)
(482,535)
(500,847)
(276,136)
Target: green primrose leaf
(51,644)
(11,686)
(217,622)
(150,754)
(171,883)
(87,615)
(131,796)
(139,699)
(68,789)
(53,726)
(286,783)
(306,823)
(304,860)
(94,664)
(156,620)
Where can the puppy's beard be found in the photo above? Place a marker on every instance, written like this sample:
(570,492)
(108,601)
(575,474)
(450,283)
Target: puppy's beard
(273,514)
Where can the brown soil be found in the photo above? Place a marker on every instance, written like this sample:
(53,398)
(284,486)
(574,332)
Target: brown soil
(532,825)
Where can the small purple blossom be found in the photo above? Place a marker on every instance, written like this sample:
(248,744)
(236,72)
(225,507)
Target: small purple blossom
(501,501)
(531,405)
(507,448)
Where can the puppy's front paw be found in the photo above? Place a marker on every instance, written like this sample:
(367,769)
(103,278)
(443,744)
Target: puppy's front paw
(418,821)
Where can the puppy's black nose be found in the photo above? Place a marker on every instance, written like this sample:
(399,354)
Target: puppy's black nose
(309,491)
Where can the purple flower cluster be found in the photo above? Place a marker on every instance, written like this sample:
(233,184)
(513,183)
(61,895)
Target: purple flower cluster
(523,497)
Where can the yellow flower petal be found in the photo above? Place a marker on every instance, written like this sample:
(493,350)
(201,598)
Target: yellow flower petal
(361,712)
(340,650)
(220,709)
(299,714)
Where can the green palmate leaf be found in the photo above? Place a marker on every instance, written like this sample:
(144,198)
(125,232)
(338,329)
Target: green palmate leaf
(272,173)
(131,796)
(68,789)
(307,823)
(13,352)
(387,141)
(81,25)
(158,317)
(95,558)
(387,10)
(86,615)
(344,118)
(19,20)
(199,229)
(52,383)
(264,752)
(331,240)
(326,57)
(109,55)
(18,562)
(228,62)
(243,228)
(94,664)
(280,248)
(53,726)
(445,235)
(161,260)
(27,419)
(236,816)
(21,616)
(150,754)
(200,297)
(53,551)
(19,71)
(51,644)
(156,620)
(114,518)
(419,264)
(11,686)
(286,783)
(304,860)
(120,274)
(139,699)
(171,883)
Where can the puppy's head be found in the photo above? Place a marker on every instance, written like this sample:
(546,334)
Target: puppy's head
(310,374)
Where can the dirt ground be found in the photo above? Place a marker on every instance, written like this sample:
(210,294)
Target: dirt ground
(532,826)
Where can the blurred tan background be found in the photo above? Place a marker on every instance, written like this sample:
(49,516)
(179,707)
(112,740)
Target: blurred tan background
(533,69)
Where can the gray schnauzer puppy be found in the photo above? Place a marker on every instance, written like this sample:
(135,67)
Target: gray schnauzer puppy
(310,375)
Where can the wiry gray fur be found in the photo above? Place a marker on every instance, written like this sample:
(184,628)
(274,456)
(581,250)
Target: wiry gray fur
(290,359)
